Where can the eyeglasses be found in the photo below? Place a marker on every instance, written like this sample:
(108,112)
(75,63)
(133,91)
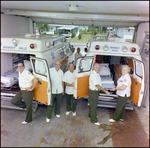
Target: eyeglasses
(57,64)
(19,66)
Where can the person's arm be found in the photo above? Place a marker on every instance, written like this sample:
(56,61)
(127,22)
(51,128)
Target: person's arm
(34,82)
(68,84)
(100,88)
(123,87)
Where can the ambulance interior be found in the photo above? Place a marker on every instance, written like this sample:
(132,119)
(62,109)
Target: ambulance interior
(110,71)
(110,68)
(9,80)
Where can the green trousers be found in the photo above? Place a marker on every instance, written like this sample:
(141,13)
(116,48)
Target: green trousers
(93,97)
(120,108)
(56,98)
(27,96)
(71,100)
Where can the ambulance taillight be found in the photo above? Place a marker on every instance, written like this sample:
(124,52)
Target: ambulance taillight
(97,47)
(133,49)
(32,46)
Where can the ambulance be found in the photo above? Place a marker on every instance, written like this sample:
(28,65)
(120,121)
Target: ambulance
(111,53)
(39,53)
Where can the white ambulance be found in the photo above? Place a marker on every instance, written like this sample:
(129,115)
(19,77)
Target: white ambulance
(111,53)
(39,53)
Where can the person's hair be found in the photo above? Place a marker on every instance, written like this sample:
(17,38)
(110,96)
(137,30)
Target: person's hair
(96,64)
(126,66)
(21,62)
(70,63)
(78,48)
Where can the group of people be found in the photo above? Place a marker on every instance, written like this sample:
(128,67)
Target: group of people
(27,83)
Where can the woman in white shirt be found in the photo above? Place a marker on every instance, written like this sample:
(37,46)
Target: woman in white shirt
(123,91)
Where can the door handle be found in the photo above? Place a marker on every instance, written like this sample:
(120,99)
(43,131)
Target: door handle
(135,83)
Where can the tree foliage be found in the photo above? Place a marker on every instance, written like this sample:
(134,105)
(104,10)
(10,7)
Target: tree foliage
(42,27)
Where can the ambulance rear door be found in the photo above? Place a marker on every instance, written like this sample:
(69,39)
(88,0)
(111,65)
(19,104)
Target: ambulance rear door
(42,91)
(84,68)
(137,86)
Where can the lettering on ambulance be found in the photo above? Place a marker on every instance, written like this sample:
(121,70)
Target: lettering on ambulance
(23,48)
(114,49)
(8,47)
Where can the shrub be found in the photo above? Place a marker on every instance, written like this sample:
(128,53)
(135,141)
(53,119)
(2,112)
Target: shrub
(79,36)
(73,35)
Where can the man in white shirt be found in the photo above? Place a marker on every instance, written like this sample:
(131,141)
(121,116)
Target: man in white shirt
(94,90)
(27,83)
(56,75)
(77,55)
(69,78)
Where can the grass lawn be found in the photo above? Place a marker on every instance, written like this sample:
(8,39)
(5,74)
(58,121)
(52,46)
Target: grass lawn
(85,38)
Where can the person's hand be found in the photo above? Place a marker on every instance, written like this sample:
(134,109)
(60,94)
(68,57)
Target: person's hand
(107,92)
(29,89)
(72,84)
(63,92)
(113,89)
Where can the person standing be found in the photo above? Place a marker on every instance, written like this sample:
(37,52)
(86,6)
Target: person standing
(94,90)
(123,91)
(77,55)
(56,75)
(27,83)
(68,79)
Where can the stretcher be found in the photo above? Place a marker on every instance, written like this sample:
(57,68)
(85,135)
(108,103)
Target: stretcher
(106,76)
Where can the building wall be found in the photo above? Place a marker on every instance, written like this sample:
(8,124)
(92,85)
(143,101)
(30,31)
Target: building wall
(128,34)
(139,40)
(120,32)
(13,26)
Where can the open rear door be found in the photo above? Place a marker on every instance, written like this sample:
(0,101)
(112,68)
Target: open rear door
(42,91)
(83,70)
(137,86)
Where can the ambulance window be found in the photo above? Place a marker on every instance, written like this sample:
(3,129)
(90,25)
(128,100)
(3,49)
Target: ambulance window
(39,67)
(65,50)
(61,53)
(85,65)
(138,69)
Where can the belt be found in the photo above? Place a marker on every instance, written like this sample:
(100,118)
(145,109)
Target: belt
(94,90)
(22,88)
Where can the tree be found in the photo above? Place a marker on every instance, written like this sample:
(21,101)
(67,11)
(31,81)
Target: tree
(42,27)
(104,29)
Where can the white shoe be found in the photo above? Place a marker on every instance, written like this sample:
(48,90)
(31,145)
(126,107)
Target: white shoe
(48,120)
(74,114)
(112,120)
(97,123)
(24,122)
(67,113)
(121,119)
(58,116)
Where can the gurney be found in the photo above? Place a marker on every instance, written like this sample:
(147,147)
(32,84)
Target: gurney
(10,79)
(106,77)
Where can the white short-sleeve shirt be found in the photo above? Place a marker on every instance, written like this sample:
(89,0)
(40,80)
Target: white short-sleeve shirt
(94,80)
(126,80)
(56,79)
(77,55)
(25,79)
(69,77)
